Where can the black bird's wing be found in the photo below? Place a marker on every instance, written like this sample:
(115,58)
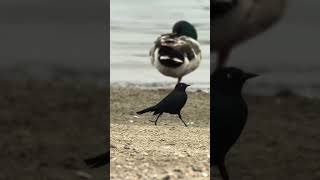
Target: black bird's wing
(173,103)
(158,108)
(221,7)
(98,161)
(229,115)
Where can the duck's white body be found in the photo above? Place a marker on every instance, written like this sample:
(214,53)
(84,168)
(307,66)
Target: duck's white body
(244,21)
(182,44)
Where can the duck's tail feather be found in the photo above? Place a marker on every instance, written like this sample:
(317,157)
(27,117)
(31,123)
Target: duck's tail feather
(172,52)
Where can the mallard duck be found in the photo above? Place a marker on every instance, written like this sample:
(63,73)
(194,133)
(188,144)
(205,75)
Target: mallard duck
(236,21)
(178,53)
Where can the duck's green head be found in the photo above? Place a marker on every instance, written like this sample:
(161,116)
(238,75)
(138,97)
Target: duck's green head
(184,28)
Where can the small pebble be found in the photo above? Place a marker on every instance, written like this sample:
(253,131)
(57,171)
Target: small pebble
(204,174)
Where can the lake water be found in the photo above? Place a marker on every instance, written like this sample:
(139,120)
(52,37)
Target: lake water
(134,27)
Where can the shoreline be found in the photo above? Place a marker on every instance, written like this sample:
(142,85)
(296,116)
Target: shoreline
(205,87)
(202,87)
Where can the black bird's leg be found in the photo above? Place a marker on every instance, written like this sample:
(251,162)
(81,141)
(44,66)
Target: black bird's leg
(223,171)
(155,122)
(182,120)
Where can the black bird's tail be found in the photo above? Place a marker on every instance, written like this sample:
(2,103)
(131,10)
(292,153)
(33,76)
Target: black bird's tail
(98,161)
(146,110)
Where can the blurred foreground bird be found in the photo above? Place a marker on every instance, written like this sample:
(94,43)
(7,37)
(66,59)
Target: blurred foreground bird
(172,103)
(178,53)
(228,113)
(98,161)
(236,21)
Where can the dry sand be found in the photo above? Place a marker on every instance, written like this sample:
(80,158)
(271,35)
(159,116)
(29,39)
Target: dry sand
(280,141)
(141,150)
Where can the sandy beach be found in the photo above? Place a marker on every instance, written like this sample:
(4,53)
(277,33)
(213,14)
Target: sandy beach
(141,150)
(50,127)
(280,141)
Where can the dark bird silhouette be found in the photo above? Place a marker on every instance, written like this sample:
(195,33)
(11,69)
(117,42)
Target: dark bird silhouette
(98,161)
(172,104)
(228,113)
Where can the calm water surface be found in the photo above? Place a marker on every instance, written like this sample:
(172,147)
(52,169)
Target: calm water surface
(135,25)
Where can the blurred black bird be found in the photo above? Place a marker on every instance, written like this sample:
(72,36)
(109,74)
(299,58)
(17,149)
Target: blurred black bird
(98,161)
(228,112)
(172,103)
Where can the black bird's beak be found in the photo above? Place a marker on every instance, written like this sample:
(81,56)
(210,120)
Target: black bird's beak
(247,76)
